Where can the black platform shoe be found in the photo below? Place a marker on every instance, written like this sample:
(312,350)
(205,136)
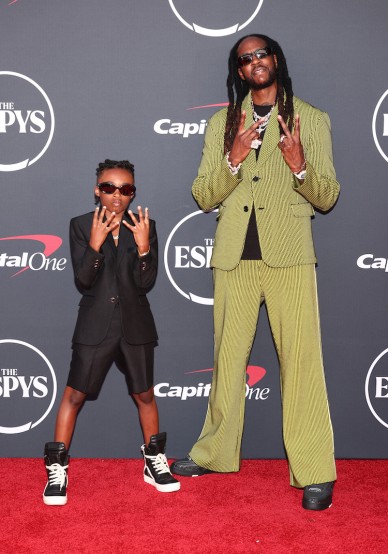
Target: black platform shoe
(188,468)
(318,497)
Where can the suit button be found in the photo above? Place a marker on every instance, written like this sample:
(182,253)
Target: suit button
(113,299)
(246,208)
(255,179)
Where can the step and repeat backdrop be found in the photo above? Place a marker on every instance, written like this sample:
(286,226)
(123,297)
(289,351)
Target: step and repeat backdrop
(83,81)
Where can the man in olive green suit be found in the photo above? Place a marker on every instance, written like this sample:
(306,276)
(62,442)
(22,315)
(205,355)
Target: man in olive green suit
(267,162)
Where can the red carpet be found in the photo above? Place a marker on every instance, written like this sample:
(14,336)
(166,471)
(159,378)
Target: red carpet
(111,510)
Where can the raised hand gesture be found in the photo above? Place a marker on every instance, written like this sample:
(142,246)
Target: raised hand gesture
(140,230)
(100,228)
(291,147)
(242,143)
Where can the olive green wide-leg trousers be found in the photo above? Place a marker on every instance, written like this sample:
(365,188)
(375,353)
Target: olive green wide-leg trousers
(291,297)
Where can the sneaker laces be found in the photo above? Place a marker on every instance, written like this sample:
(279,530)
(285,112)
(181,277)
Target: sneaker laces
(57,474)
(159,463)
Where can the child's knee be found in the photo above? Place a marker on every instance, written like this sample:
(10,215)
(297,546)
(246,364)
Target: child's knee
(76,398)
(146,397)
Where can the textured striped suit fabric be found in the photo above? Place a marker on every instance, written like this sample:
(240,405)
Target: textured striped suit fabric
(291,302)
(283,207)
(284,279)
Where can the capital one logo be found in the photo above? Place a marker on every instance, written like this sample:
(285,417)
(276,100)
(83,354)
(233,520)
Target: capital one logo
(369,261)
(380,126)
(18,256)
(166,126)
(188,14)
(187,256)
(183,392)
(376,388)
(28,386)
(26,121)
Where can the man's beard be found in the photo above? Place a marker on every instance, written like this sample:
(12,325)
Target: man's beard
(260,86)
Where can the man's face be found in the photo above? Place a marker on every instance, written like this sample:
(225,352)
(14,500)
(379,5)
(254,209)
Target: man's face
(115,202)
(259,74)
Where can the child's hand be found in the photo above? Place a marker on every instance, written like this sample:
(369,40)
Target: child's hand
(140,230)
(100,228)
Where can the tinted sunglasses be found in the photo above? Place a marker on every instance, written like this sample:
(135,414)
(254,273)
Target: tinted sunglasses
(260,53)
(110,188)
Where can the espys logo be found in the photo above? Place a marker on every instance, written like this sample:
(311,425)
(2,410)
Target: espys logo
(28,386)
(26,121)
(368,261)
(168,127)
(22,259)
(209,11)
(187,255)
(376,388)
(202,390)
(380,126)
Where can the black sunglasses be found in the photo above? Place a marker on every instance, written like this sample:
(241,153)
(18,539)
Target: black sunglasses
(260,53)
(110,188)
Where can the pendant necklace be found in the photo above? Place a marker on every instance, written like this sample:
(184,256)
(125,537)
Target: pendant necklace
(262,126)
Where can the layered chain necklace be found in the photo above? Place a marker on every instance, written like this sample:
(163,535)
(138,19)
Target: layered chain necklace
(262,126)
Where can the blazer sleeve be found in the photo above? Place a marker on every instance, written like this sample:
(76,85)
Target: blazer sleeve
(87,263)
(320,186)
(215,181)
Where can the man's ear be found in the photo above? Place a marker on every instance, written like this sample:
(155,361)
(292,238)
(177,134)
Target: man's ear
(241,74)
(97,191)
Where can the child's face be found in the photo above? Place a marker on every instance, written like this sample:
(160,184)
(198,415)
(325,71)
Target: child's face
(115,202)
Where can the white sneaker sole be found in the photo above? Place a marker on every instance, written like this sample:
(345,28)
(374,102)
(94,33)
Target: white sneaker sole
(170,487)
(55,500)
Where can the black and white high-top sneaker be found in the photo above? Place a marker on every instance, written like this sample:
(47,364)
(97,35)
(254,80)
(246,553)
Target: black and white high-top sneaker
(156,470)
(56,461)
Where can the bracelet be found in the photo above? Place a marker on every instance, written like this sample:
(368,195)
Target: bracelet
(144,253)
(301,176)
(302,168)
(233,169)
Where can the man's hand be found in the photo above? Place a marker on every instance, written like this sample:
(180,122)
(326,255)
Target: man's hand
(140,230)
(242,141)
(290,145)
(100,228)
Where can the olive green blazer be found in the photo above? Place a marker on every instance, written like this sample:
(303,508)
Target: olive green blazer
(283,206)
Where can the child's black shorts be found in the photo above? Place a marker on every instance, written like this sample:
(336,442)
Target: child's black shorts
(90,364)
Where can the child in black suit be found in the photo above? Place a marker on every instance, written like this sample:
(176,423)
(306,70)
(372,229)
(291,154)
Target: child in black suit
(114,255)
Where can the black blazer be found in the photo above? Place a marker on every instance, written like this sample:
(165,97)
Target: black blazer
(115,275)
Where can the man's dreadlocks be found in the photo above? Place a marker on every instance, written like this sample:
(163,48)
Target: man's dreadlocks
(237,85)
